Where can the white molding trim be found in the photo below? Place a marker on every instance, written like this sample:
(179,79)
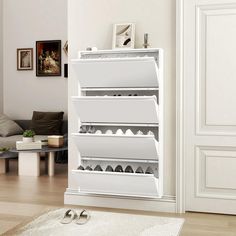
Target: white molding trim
(180,160)
(165,204)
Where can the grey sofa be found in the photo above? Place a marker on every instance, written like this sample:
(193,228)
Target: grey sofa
(10,142)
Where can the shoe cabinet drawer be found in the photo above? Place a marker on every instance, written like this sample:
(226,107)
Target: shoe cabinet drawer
(125,184)
(116,72)
(144,147)
(123,109)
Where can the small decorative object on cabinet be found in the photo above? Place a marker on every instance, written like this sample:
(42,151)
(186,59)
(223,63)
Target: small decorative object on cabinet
(121,101)
(145,41)
(65,48)
(123,36)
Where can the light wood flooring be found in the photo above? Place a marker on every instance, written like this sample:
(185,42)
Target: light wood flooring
(21,198)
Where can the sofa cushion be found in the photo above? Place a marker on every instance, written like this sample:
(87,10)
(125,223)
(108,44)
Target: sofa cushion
(46,127)
(10,142)
(47,123)
(40,115)
(8,127)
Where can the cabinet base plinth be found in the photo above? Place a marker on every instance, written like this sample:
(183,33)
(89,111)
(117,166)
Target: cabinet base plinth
(72,197)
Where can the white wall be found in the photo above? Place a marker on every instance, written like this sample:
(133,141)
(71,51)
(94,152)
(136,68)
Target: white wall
(25,22)
(1,52)
(90,24)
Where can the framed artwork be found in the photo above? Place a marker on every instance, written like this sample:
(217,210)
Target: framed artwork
(48,58)
(65,48)
(66,70)
(123,36)
(25,59)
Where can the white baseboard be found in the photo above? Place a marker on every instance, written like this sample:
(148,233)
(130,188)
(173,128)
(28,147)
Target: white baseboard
(165,204)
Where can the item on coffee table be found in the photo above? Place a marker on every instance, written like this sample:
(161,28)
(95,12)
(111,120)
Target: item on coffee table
(20,145)
(55,141)
(44,142)
(3,149)
(28,136)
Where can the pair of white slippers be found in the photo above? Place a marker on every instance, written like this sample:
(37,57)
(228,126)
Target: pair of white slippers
(80,217)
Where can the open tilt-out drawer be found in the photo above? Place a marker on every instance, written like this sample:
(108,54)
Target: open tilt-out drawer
(116,72)
(144,147)
(123,109)
(125,184)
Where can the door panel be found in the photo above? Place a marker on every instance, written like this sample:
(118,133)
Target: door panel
(210,102)
(215,64)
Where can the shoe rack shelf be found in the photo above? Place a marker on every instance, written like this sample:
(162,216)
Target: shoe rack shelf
(119,90)
(111,109)
(115,183)
(112,72)
(144,147)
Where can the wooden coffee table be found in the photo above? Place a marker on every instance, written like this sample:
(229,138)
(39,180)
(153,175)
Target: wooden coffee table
(29,160)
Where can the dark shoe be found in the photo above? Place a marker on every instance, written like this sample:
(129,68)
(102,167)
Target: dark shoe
(149,170)
(135,94)
(109,169)
(91,130)
(80,168)
(98,168)
(88,168)
(83,129)
(139,170)
(129,169)
(119,169)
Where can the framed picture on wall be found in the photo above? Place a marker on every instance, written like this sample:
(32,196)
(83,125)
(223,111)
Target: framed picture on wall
(25,59)
(48,58)
(123,36)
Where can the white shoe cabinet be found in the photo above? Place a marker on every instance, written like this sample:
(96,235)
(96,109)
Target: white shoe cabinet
(119,90)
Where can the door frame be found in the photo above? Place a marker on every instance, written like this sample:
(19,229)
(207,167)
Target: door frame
(180,109)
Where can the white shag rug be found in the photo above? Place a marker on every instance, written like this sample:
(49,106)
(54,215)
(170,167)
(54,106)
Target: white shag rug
(103,224)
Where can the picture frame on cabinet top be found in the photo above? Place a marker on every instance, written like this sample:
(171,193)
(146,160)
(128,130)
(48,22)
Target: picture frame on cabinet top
(123,36)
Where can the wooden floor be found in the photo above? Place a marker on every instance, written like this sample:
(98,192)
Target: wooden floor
(21,198)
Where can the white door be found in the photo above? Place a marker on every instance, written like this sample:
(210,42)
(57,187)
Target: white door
(210,105)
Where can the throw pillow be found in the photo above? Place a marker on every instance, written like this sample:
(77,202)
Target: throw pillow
(9,127)
(39,115)
(46,127)
(47,123)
